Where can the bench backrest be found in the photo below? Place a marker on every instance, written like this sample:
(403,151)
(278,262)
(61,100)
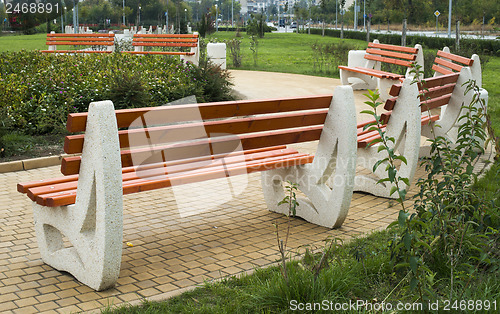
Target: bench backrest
(81,39)
(447,63)
(165,40)
(377,53)
(448,90)
(179,132)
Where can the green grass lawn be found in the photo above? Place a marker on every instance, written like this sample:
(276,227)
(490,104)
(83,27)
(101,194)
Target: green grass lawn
(281,52)
(23,42)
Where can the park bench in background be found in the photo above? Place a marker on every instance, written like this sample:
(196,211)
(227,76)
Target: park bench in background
(174,145)
(179,42)
(95,43)
(447,63)
(363,70)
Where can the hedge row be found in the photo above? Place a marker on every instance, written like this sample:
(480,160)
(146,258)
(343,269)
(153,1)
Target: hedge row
(37,91)
(479,46)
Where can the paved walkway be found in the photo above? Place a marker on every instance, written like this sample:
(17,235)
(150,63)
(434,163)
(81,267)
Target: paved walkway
(170,251)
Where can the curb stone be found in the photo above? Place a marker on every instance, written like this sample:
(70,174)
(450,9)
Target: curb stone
(28,164)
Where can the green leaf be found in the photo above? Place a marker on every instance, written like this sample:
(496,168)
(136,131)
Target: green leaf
(402,158)
(413,264)
(402,218)
(413,283)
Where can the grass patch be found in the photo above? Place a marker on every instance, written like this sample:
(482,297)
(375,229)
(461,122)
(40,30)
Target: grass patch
(23,42)
(282,52)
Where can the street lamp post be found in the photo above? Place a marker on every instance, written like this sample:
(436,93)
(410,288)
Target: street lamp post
(216,18)
(449,18)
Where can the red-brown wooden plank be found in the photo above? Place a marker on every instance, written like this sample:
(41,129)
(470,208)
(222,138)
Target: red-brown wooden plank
(437,91)
(372,72)
(174,114)
(134,186)
(160,53)
(76,51)
(392,54)
(179,132)
(389,60)
(166,35)
(441,70)
(140,44)
(203,147)
(448,64)
(81,35)
(456,58)
(393,47)
(435,102)
(82,43)
(439,80)
(162,170)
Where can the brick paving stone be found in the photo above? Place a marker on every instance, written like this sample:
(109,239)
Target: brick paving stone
(170,252)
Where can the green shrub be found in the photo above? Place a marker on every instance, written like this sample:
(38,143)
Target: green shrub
(479,46)
(37,91)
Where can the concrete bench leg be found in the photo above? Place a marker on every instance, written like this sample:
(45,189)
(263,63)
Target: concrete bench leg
(405,127)
(93,226)
(334,162)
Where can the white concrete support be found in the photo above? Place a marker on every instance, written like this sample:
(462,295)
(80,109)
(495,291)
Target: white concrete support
(404,126)
(328,180)
(111,48)
(93,226)
(216,53)
(53,47)
(194,59)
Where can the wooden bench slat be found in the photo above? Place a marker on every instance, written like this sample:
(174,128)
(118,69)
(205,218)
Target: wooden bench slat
(134,186)
(76,51)
(439,80)
(392,54)
(177,53)
(456,58)
(372,72)
(179,132)
(448,64)
(58,40)
(173,114)
(437,91)
(393,47)
(81,35)
(389,60)
(23,187)
(163,44)
(441,70)
(166,35)
(165,40)
(80,43)
(163,169)
(71,165)
(435,102)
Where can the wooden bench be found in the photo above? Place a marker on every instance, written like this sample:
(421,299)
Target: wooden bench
(364,66)
(178,42)
(448,63)
(95,43)
(134,150)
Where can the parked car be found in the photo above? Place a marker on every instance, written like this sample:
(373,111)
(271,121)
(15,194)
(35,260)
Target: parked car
(293,25)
